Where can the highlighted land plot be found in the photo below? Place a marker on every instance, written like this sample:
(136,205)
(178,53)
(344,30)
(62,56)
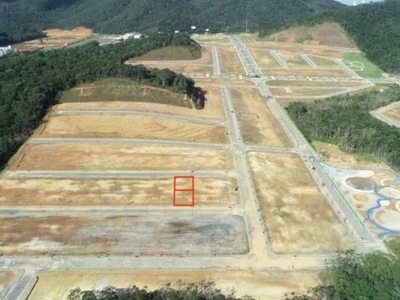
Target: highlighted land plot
(130,127)
(59,193)
(184,191)
(91,156)
(297,217)
(173,233)
(361,65)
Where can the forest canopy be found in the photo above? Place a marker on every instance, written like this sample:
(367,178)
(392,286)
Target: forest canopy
(23,19)
(346,121)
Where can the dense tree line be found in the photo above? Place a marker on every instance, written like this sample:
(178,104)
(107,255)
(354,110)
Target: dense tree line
(201,291)
(30,83)
(353,276)
(345,120)
(374,27)
(21,19)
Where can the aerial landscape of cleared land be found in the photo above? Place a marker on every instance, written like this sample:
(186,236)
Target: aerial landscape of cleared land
(88,199)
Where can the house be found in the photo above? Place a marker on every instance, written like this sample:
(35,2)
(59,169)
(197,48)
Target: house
(7,50)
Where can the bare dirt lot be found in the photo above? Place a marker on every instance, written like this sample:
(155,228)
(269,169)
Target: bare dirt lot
(133,127)
(257,123)
(152,192)
(213,107)
(323,62)
(57,38)
(105,157)
(293,60)
(264,59)
(297,216)
(272,285)
(177,59)
(393,115)
(229,61)
(175,233)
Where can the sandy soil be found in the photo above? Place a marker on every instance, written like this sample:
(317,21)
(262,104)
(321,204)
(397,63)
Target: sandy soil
(175,233)
(201,65)
(257,123)
(393,115)
(229,61)
(68,192)
(208,82)
(264,59)
(336,157)
(133,127)
(213,108)
(272,285)
(297,216)
(120,157)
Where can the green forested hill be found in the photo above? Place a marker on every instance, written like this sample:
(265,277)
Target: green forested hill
(23,18)
(374,27)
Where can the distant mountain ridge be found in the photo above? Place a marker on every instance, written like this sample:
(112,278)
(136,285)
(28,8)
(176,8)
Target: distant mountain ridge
(25,18)
(375,29)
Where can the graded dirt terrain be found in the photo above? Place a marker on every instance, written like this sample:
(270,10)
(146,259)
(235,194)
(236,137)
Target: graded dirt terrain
(212,110)
(87,156)
(229,61)
(257,123)
(113,192)
(177,59)
(264,59)
(175,233)
(297,216)
(393,115)
(271,286)
(132,127)
(57,38)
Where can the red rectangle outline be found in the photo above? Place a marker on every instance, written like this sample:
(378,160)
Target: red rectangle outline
(184,190)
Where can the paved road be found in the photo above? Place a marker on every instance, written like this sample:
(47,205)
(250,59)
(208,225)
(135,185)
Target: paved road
(136,113)
(165,143)
(260,257)
(216,67)
(246,58)
(278,59)
(365,240)
(308,60)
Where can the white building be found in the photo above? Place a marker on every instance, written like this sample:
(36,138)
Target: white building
(131,35)
(7,50)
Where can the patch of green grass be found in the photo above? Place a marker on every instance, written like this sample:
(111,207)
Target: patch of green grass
(361,65)
(394,245)
(122,89)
